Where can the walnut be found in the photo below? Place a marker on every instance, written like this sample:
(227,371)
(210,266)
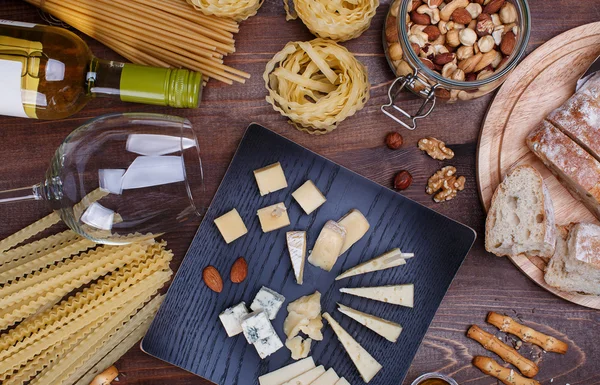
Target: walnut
(446,181)
(435,148)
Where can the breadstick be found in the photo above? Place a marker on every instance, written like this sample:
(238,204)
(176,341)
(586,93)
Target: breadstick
(507,353)
(527,334)
(506,375)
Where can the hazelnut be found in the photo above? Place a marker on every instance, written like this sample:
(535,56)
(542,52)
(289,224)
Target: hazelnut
(467,37)
(486,44)
(508,13)
(393,140)
(403,180)
(485,25)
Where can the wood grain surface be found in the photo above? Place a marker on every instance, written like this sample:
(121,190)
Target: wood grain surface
(541,83)
(483,283)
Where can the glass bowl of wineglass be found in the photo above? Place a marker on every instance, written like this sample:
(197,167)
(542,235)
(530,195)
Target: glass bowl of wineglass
(123,178)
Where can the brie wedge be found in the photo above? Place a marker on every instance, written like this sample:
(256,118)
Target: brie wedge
(367,366)
(282,375)
(308,377)
(328,246)
(356,226)
(387,329)
(296,242)
(402,295)
(388,260)
(330,377)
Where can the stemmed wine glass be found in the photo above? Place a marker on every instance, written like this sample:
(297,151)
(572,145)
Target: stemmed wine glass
(123,178)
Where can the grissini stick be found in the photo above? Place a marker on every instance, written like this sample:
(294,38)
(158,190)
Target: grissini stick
(506,375)
(507,353)
(527,334)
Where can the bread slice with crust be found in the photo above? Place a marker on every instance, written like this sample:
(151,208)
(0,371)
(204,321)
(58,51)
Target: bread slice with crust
(521,216)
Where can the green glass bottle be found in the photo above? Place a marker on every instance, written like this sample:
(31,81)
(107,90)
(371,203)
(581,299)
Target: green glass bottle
(50,73)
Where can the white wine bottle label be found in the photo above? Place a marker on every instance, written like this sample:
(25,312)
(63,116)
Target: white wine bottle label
(11,103)
(17,23)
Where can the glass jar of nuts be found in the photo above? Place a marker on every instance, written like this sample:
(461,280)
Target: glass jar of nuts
(452,50)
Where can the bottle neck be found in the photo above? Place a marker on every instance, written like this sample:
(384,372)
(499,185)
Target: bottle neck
(141,84)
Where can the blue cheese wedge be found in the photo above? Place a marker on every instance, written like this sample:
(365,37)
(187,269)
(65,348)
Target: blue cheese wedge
(267,346)
(282,375)
(330,377)
(342,381)
(257,326)
(268,300)
(402,295)
(328,246)
(232,319)
(270,179)
(392,258)
(387,329)
(356,226)
(366,365)
(296,242)
(308,377)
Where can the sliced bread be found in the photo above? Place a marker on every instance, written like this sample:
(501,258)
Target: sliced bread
(521,216)
(575,266)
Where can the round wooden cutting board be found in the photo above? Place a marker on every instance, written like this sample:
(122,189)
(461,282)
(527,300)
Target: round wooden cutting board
(541,83)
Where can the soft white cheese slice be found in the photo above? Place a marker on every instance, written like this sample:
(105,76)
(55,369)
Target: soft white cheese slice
(330,377)
(387,329)
(356,226)
(367,366)
(392,258)
(328,246)
(402,295)
(308,377)
(281,375)
(342,381)
(296,242)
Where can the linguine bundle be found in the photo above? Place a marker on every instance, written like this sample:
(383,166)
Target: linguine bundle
(237,10)
(316,84)
(339,20)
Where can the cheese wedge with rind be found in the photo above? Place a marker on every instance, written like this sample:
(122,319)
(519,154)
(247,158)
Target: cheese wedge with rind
(330,377)
(328,246)
(392,258)
(402,295)
(366,365)
(356,226)
(282,375)
(296,242)
(387,329)
(308,377)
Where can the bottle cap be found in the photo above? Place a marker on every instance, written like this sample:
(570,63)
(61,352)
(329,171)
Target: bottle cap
(185,88)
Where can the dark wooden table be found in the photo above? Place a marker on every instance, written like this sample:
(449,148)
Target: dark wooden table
(484,283)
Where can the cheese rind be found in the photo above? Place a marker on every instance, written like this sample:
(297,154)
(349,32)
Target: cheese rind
(402,295)
(387,329)
(330,377)
(356,226)
(367,366)
(273,217)
(282,375)
(268,300)
(308,377)
(270,179)
(257,326)
(232,317)
(328,246)
(342,381)
(296,242)
(298,347)
(392,258)
(267,346)
(231,226)
(309,197)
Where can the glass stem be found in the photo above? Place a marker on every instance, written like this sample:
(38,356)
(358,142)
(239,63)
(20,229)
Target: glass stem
(21,194)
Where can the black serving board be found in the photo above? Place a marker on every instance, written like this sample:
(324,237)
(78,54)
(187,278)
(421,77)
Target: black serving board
(187,332)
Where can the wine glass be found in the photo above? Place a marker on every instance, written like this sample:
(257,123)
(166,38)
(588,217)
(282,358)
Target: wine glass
(123,178)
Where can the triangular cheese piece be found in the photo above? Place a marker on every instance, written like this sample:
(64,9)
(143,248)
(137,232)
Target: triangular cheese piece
(367,366)
(388,260)
(387,329)
(308,377)
(296,242)
(342,381)
(402,295)
(330,377)
(282,375)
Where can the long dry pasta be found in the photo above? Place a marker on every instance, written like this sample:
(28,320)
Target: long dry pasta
(316,84)
(37,249)
(237,10)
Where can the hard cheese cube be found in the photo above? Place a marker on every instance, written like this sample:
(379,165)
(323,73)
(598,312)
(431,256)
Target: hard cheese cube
(257,326)
(309,197)
(232,319)
(268,346)
(270,179)
(328,246)
(269,301)
(273,217)
(231,226)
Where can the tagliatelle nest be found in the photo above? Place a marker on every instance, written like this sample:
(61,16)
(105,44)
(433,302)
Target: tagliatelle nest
(339,20)
(316,84)
(237,10)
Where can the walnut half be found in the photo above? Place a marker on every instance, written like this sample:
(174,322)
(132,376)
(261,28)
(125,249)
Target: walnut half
(435,148)
(445,184)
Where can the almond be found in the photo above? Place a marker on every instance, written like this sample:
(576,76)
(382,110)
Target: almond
(461,16)
(493,6)
(443,58)
(420,19)
(416,4)
(432,32)
(508,43)
(212,279)
(239,270)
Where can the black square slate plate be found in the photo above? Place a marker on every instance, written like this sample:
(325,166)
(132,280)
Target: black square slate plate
(187,332)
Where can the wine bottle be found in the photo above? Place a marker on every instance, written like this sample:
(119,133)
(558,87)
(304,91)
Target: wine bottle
(50,73)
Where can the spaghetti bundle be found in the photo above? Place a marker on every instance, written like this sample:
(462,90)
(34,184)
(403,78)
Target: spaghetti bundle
(237,10)
(339,20)
(162,33)
(316,84)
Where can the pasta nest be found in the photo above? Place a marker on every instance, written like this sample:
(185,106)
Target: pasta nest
(316,84)
(237,10)
(339,20)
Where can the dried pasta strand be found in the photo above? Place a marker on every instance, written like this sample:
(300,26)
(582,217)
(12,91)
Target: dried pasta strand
(29,231)
(34,249)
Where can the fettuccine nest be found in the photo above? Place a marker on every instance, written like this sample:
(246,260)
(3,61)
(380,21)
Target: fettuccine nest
(237,10)
(316,84)
(339,20)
